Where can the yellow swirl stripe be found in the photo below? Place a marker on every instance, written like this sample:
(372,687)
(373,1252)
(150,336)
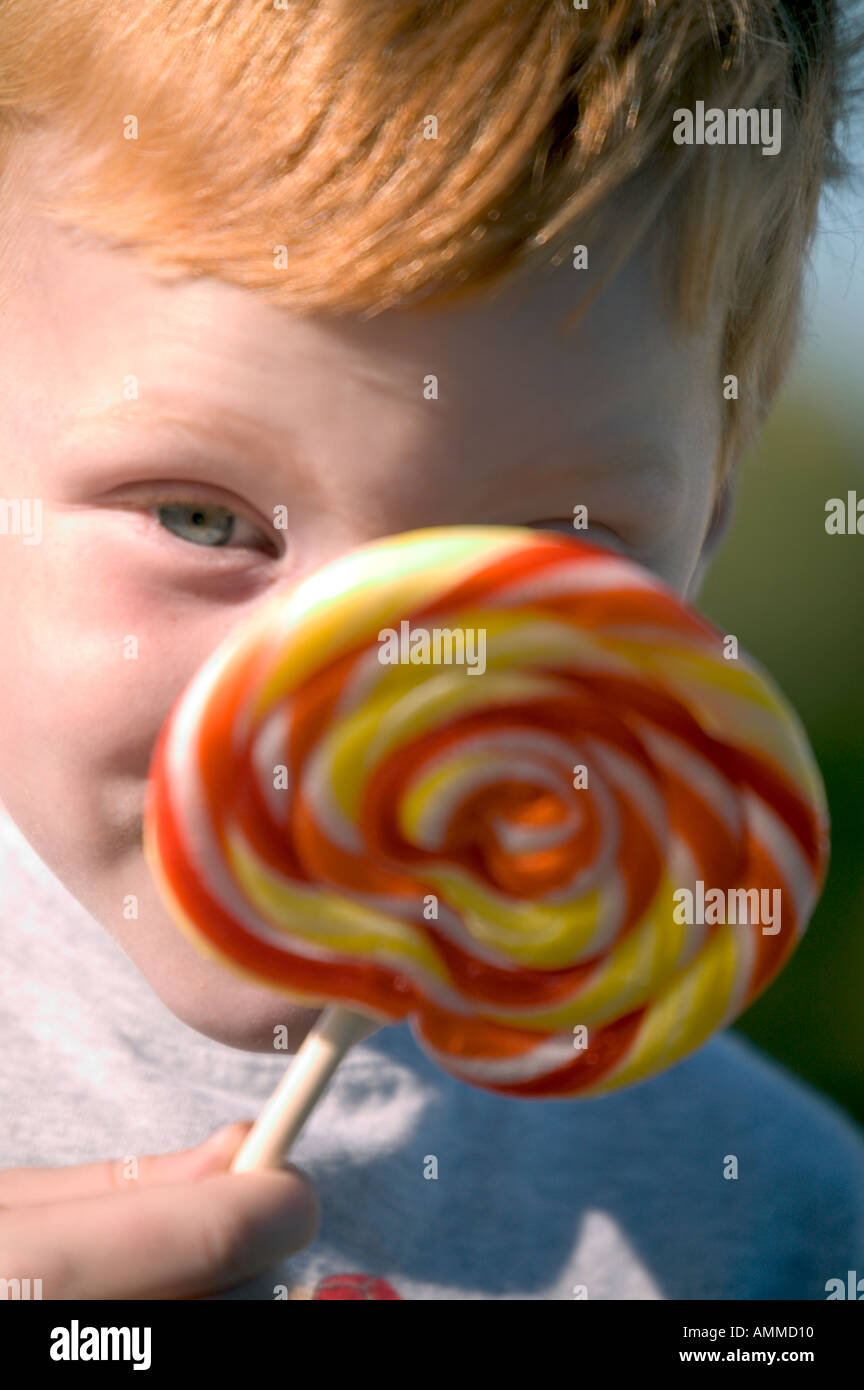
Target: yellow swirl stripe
(491,833)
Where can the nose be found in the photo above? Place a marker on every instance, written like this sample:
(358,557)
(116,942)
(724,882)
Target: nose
(373,520)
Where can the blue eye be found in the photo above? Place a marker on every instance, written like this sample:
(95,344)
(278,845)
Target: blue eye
(201,525)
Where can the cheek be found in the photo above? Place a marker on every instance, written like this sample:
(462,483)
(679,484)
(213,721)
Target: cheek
(92,665)
(66,623)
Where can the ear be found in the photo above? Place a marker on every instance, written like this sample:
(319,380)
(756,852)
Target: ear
(717,527)
(720,516)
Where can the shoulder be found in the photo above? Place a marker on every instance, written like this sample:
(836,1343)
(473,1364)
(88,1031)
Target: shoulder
(792,1130)
(723,1178)
(737,1083)
(796,1199)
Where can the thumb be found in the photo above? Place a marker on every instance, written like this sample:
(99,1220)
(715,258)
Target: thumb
(26,1187)
(176,1239)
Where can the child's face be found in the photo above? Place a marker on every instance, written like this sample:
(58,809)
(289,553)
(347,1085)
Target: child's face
(326,419)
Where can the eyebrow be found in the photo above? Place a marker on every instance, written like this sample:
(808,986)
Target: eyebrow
(613,462)
(629,454)
(214,423)
(217,428)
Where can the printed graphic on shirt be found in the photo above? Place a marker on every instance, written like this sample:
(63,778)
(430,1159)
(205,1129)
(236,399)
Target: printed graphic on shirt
(354,1286)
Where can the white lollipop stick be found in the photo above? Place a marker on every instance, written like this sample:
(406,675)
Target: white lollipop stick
(294,1099)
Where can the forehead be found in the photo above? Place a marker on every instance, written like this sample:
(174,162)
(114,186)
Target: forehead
(497,386)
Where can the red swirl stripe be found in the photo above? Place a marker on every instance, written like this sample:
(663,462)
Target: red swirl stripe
(554,965)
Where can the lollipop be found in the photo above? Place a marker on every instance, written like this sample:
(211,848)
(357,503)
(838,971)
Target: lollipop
(501,784)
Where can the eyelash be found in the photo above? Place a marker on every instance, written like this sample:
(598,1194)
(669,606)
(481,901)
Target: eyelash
(566,524)
(152,507)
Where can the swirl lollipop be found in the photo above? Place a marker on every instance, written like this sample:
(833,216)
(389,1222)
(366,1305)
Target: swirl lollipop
(499,783)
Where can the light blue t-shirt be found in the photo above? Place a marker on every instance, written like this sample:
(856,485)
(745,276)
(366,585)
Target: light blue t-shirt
(441,1190)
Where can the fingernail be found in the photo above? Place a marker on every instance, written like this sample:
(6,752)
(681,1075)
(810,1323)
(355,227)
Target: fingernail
(226,1133)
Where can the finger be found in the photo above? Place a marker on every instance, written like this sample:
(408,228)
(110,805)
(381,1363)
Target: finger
(167,1242)
(21,1187)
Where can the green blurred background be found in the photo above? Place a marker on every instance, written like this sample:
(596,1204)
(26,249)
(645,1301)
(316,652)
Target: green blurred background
(794,596)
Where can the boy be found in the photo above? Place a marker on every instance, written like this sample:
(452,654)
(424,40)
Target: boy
(317,257)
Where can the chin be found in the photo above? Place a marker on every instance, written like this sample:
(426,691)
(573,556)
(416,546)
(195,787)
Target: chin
(216,1001)
(233,1012)
(248,1031)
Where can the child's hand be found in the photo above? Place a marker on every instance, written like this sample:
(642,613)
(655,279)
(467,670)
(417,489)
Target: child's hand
(184,1227)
